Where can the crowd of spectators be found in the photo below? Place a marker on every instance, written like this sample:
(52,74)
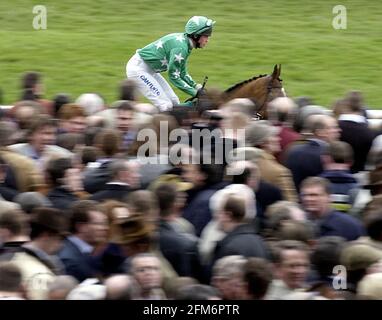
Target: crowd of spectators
(94,207)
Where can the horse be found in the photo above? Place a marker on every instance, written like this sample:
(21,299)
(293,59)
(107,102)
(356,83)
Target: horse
(260,89)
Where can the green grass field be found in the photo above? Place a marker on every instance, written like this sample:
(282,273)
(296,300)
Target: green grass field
(87,44)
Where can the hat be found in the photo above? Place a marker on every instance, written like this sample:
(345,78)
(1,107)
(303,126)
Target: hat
(357,256)
(371,286)
(181,186)
(258,131)
(375,178)
(133,229)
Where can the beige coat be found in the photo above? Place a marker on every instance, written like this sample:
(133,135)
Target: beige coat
(35,275)
(276,174)
(27,176)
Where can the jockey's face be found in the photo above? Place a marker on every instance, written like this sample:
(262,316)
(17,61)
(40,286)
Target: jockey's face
(203,41)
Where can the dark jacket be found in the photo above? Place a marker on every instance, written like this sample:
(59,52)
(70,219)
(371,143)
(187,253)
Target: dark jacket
(304,160)
(241,241)
(343,188)
(111,191)
(77,264)
(179,250)
(95,179)
(360,137)
(61,198)
(266,195)
(340,224)
(197,211)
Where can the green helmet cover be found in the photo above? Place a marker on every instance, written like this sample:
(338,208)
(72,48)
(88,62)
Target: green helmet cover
(199,25)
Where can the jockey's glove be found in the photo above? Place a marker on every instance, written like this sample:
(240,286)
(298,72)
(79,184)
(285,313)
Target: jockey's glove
(200,93)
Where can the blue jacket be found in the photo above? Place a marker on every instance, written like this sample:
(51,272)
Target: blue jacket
(304,160)
(77,264)
(340,224)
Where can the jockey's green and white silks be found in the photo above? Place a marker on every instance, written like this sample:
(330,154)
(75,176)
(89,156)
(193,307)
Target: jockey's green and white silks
(170,53)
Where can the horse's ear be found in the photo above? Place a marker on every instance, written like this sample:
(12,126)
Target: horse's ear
(279,71)
(275,71)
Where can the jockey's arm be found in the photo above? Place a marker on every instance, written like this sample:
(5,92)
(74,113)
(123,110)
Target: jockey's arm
(177,72)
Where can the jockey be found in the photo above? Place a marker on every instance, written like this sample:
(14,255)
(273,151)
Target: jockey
(169,53)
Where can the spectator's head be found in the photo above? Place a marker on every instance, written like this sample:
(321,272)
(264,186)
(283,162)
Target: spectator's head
(125,172)
(14,226)
(354,101)
(278,214)
(116,212)
(121,287)
(11,280)
(124,116)
(282,110)
(202,175)
(219,198)
(339,107)
(291,261)
(108,142)
(297,230)
(91,103)
(31,200)
(358,258)
(70,141)
(323,127)
(62,173)
(232,214)
(25,112)
(326,255)
(146,270)
(136,235)
(31,86)
(257,276)
(48,227)
(339,154)
(371,286)
(60,287)
(197,292)
(90,289)
(128,90)
(227,277)
(88,154)
(59,100)
(145,203)
(244,172)
(88,222)
(315,196)
(6,131)
(42,132)
(166,194)
(72,118)
(261,134)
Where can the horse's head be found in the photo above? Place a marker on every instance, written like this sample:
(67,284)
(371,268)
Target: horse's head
(260,89)
(275,88)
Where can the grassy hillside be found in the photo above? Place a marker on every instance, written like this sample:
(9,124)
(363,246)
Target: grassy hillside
(87,44)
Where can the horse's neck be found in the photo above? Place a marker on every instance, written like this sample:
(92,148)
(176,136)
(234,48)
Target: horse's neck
(256,89)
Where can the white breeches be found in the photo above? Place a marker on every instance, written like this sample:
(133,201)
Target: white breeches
(151,84)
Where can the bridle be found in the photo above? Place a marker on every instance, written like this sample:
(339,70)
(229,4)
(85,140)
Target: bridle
(270,87)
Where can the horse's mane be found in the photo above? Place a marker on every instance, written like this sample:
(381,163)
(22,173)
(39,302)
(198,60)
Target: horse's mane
(244,82)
